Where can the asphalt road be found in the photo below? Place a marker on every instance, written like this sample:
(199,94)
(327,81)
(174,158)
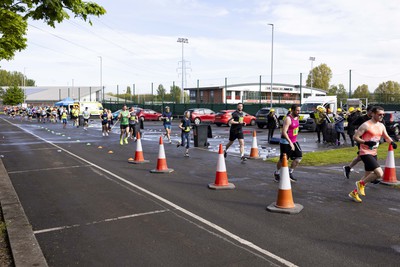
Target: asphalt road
(89,207)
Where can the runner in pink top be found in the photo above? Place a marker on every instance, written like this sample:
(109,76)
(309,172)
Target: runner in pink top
(289,144)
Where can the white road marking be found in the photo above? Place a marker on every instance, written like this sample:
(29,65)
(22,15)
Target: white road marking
(32,149)
(51,169)
(175,206)
(97,222)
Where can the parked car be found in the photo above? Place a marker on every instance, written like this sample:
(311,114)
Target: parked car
(223,116)
(261,116)
(199,115)
(148,114)
(392,123)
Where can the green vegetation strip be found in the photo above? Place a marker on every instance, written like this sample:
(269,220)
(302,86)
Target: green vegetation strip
(338,156)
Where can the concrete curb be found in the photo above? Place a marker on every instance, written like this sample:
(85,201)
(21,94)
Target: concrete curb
(24,246)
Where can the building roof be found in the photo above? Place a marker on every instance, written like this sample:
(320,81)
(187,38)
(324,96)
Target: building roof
(56,93)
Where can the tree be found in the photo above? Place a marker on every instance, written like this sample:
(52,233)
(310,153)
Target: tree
(388,92)
(322,75)
(175,93)
(14,15)
(128,90)
(361,92)
(13,95)
(161,92)
(339,91)
(14,78)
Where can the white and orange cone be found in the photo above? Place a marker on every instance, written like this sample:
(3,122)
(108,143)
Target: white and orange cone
(284,202)
(162,160)
(254,147)
(139,158)
(221,176)
(389,175)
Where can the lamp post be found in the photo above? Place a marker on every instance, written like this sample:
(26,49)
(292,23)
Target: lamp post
(183,41)
(24,86)
(101,75)
(272,60)
(312,59)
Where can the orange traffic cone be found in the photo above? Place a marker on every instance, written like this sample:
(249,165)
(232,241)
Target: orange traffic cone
(254,147)
(389,175)
(284,203)
(162,161)
(221,177)
(139,158)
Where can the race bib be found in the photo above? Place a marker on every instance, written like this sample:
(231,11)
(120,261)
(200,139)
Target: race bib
(240,119)
(295,131)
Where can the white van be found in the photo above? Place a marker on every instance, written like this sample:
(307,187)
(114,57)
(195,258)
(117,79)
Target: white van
(95,108)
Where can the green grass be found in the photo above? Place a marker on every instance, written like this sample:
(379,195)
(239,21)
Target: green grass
(337,156)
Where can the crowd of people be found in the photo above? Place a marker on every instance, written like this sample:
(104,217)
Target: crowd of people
(363,130)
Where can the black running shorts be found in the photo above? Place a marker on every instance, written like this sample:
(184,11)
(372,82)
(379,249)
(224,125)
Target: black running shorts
(370,162)
(291,154)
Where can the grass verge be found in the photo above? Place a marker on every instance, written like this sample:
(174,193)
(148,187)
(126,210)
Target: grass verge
(5,253)
(337,156)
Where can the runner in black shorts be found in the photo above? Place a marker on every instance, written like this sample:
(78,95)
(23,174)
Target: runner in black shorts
(236,131)
(289,144)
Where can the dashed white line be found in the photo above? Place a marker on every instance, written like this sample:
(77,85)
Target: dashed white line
(97,222)
(51,169)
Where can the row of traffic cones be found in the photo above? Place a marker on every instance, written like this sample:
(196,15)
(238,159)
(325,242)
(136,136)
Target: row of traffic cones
(285,200)
(284,203)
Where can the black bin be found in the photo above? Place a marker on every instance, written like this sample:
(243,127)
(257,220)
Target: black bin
(81,123)
(201,132)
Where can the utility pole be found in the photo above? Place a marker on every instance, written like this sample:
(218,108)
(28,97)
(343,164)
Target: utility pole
(183,41)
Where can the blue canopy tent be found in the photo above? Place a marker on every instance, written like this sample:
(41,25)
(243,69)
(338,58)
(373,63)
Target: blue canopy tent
(65,102)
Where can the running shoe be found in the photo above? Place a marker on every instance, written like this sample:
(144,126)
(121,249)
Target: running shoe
(376,181)
(354,195)
(186,154)
(277,177)
(346,171)
(292,179)
(104,134)
(178,144)
(169,141)
(126,140)
(121,142)
(360,188)
(243,158)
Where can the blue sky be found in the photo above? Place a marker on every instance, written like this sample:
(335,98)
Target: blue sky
(137,41)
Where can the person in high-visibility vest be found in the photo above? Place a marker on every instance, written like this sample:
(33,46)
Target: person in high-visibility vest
(64,116)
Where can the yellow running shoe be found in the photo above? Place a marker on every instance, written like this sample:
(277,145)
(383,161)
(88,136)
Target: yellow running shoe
(126,140)
(360,188)
(121,142)
(354,195)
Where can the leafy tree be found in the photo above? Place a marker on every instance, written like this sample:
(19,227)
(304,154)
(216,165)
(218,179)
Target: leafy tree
(175,94)
(161,92)
(388,92)
(128,90)
(361,92)
(13,95)
(322,75)
(339,91)
(14,15)
(14,78)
